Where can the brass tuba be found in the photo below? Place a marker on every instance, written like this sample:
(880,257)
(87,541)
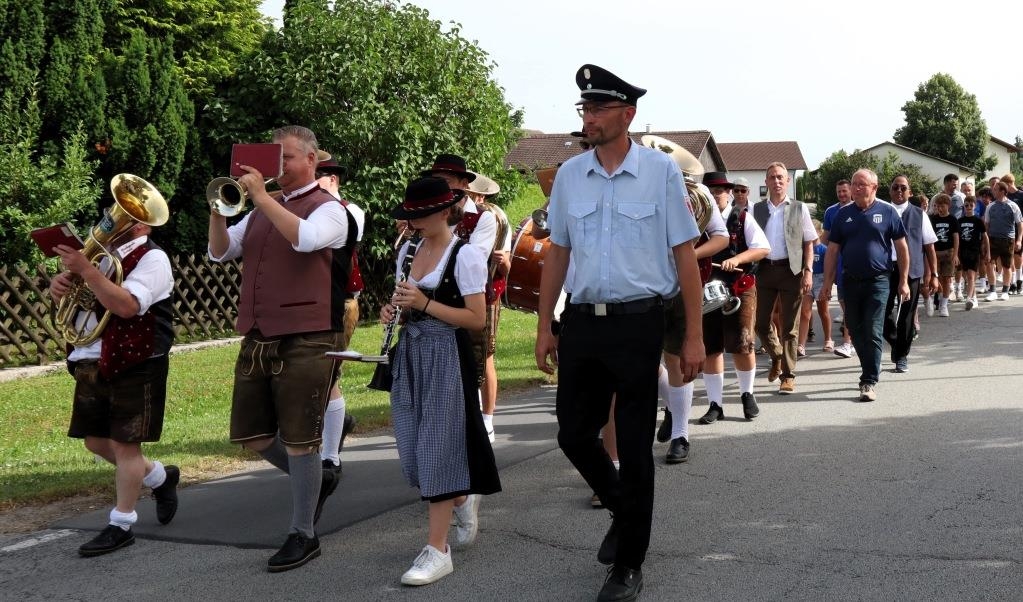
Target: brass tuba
(135,201)
(700,202)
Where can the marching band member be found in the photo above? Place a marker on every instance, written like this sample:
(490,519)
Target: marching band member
(336,422)
(733,333)
(442,443)
(482,189)
(121,378)
(295,255)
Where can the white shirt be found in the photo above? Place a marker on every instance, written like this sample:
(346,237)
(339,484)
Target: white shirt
(470,269)
(485,234)
(150,282)
(326,226)
(755,237)
(775,229)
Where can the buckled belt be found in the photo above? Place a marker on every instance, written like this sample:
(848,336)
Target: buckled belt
(784,262)
(638,306)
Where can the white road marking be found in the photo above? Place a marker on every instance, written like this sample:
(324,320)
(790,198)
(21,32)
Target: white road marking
(34,541)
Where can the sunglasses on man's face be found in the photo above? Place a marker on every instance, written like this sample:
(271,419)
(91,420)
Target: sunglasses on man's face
(900,187)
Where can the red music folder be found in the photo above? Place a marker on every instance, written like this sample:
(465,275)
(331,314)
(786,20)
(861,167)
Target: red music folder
(60,234)
(268,158)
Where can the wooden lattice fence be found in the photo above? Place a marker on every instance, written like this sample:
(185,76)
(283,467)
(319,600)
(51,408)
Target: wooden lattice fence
(205,307)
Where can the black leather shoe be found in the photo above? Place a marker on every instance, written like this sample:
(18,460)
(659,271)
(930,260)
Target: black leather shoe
(346,427)
(750,409)
(296,551)
(336,468)
(109,539)
(664,431)
(714,413)
(609,547)
(622,584)
(327,487)
(166,496)
(678,451)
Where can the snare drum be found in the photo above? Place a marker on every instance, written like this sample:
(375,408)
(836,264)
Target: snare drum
(528,251)
(715,296)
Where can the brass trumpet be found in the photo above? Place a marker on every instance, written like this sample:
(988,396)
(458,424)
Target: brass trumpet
(227,197)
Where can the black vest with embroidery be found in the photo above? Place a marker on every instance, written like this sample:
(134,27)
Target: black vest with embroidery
(736,226)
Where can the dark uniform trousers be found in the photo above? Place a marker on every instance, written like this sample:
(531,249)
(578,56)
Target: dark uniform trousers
(900,334)
(601,356)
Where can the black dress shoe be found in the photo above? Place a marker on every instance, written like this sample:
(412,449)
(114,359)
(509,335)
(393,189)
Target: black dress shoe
(166,496)
(678,451)
(664,431)
(622,584)
(346,427)
(109,539)
(714,413)
(296,551)
(336,468)
(749,406)
(609,547)
(327,487)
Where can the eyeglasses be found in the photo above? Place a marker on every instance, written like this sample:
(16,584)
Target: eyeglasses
(900,187)
(740,190)
(596,110)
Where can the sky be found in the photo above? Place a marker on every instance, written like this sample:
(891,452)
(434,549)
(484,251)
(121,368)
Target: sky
(828,75)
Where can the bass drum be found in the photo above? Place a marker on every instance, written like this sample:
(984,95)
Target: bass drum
(528,251)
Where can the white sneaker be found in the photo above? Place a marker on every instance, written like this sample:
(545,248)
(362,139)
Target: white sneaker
(970,303)
(943,311)
(838,319)
(992,296)
(952,296)
(467,521)
(429,566)
(845,350)
(1003,297)
(929,303)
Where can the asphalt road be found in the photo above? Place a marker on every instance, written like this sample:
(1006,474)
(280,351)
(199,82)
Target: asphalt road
(914,497)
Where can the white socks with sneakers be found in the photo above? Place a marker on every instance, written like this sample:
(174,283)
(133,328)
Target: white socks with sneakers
(123,520)
(746,378)
(680,403)
(715,384)
(156,477)
(333,424)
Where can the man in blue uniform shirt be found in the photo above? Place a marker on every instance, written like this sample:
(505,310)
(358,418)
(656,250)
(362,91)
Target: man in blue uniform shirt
(619,212)
(865,232)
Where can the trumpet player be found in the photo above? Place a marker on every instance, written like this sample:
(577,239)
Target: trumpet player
(296,253)
(121,378)
(442,442)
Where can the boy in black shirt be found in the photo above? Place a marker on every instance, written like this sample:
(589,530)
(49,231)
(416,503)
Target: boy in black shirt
(946,228)
(973,248)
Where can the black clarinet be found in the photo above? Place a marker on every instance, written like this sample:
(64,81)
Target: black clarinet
(382,374)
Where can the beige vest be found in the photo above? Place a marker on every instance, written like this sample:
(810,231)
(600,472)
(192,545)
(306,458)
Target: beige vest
(793,230)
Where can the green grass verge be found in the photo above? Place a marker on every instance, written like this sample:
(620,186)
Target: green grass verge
(41,464)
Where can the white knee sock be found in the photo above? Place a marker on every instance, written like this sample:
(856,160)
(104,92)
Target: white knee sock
(746,378)
(156,477)
(715,384)
(488,421)
(333,423)
(680,402)
(123,520)
(663,388)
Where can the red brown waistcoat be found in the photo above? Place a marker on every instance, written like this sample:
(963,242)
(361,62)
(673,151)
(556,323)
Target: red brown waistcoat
(285,291)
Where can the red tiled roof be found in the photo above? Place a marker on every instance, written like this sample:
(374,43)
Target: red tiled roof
(756,156)
(550,150)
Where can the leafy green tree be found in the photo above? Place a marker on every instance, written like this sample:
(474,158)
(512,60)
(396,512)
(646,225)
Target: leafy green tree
(211,37)
(41,190)
(818,186)
(944,120)
(20,59)
(148,113)
(386,89)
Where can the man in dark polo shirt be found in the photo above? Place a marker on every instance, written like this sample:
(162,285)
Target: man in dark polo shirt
(865,232)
